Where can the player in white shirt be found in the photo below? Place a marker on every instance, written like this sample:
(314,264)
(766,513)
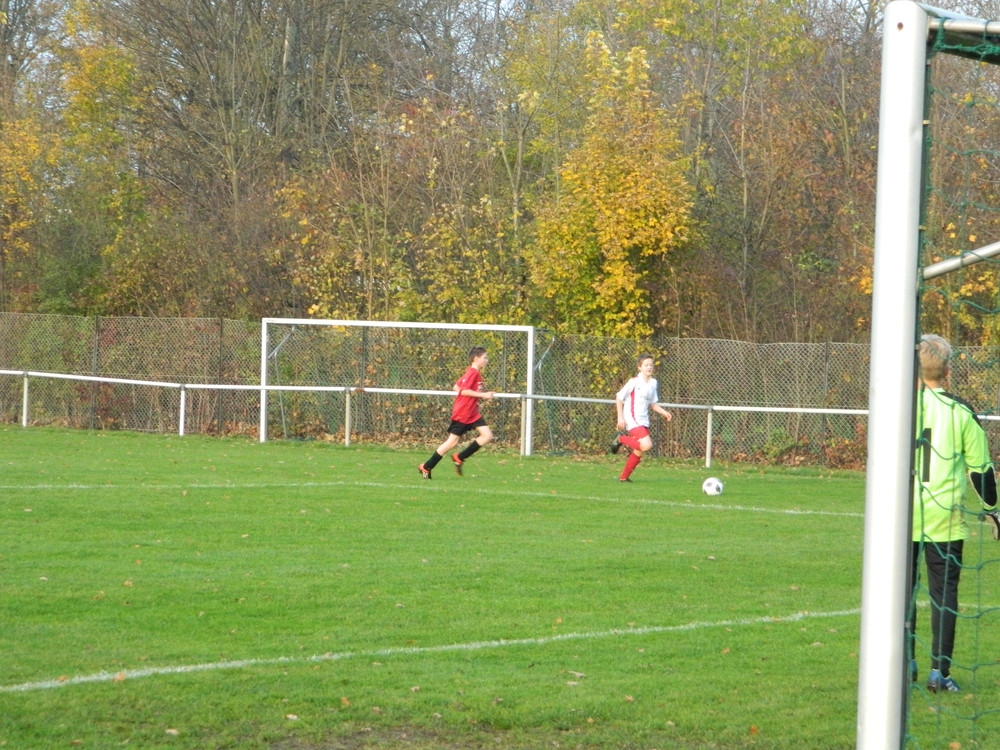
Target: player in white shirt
(634,401)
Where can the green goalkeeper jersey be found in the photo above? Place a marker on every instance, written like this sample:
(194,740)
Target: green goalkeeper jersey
(950,443)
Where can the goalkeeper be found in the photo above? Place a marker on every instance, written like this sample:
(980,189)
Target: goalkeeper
(951,444)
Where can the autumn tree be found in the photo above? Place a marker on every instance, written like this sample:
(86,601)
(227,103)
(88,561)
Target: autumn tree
(28,30)
(622,208)
(22,201)
(777,113)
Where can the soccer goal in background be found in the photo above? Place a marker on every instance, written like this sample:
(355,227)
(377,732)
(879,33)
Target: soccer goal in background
(392,365)
(938,199)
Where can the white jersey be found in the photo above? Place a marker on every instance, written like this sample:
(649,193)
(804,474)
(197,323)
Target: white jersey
(638,395)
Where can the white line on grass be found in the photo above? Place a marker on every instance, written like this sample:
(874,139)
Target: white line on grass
(464,490)
(404,651)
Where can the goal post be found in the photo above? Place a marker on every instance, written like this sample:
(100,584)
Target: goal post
(883,686)
(885,576)
(518,367)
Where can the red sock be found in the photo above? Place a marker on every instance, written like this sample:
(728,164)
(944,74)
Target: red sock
(631,442)
(630,464)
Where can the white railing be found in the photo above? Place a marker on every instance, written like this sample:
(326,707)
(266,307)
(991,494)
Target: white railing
(526,399)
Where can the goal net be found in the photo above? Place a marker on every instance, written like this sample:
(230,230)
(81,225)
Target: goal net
(935,271)
(348,377)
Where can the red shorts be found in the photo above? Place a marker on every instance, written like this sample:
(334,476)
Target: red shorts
(639,432)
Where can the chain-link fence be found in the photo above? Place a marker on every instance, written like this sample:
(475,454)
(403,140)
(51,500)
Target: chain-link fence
(582,373)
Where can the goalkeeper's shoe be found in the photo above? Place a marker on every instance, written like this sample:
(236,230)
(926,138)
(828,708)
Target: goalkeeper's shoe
(425,473)
(938,683)
(458,463)
(992,519)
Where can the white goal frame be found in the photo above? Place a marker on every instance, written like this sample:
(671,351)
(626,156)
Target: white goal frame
(883,671)
(528,401)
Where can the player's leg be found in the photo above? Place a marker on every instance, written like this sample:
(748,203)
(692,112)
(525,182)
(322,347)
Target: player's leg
(427,466)
(485,436)
(944,566)
(635,437)
(639,441)
(630,464)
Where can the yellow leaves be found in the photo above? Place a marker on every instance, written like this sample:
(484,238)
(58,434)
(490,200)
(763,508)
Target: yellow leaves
(528,101)
(21,152)
(625,204)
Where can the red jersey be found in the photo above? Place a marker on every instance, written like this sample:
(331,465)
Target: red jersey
(466,409)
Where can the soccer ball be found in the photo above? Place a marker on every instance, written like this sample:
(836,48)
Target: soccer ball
(712,486)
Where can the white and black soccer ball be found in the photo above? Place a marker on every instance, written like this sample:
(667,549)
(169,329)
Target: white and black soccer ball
(712,486)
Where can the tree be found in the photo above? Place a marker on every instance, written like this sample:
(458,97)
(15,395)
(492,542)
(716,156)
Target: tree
(623,207)
(21,200)
(27,30)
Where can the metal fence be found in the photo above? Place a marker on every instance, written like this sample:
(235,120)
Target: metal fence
(580,373)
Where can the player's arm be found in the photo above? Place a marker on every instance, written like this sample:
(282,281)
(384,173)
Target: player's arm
(662,412)
(620,411)
(986,486)
(985,483)
(473,394)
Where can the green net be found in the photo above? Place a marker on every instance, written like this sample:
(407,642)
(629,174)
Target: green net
(961,219)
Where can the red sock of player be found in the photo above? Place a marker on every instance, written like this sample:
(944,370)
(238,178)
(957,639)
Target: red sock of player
(630,464)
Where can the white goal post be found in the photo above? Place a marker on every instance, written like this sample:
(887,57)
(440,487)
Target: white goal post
(883,670)
(269,349)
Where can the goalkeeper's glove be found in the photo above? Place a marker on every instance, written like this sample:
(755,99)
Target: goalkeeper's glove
(992,519)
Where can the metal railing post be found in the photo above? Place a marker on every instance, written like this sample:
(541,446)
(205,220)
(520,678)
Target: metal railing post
(24,402)
(347,417)
(181,418)
(708,438)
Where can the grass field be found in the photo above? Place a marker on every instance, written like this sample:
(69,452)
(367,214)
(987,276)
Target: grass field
(191,592)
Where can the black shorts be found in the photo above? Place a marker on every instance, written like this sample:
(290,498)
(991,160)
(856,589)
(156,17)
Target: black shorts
(460,428)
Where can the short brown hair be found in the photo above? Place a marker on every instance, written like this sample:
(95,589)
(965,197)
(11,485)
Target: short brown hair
(476,351)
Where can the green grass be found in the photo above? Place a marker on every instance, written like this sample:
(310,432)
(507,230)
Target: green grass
(209,593)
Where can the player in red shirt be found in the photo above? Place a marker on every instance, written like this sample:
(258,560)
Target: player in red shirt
(465,416)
